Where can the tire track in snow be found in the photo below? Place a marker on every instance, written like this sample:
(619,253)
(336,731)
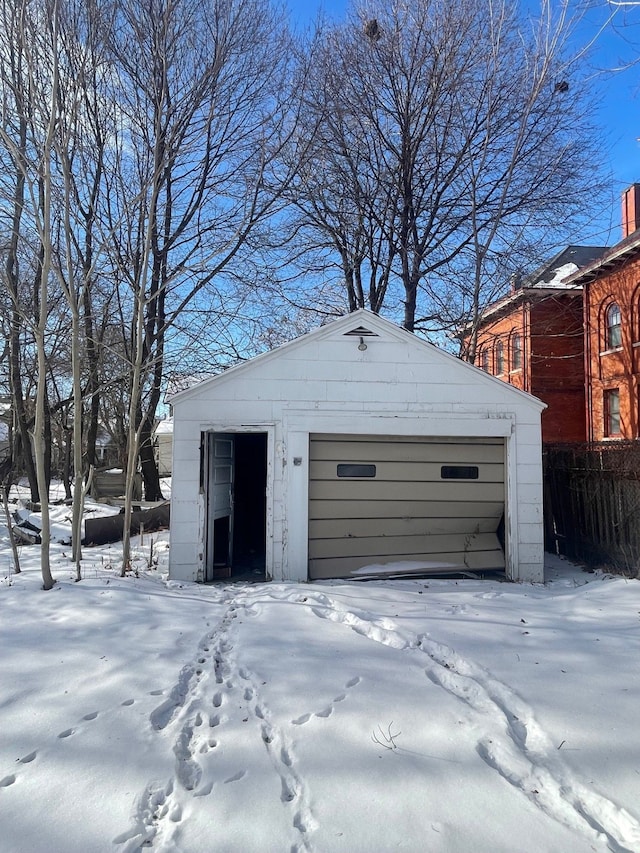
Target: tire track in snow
(526,757)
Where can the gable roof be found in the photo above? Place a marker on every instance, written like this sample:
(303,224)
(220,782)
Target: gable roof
(364,324)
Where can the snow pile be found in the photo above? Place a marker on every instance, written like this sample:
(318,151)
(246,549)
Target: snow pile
(414,715)
(558,275)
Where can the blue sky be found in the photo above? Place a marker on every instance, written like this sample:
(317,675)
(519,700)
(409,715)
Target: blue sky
(615,47)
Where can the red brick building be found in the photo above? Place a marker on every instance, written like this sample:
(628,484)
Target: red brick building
(611,286)
(533,339)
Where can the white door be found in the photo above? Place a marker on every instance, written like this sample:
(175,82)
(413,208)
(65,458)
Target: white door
(220,462)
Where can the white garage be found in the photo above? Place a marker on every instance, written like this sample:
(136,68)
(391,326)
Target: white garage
(355,451)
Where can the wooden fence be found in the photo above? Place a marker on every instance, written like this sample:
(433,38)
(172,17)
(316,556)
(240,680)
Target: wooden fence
(592,503)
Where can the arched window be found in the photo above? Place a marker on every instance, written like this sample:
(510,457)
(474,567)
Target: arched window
(499,358)
(516,351)
(635,319)
(483,360)
(613,331)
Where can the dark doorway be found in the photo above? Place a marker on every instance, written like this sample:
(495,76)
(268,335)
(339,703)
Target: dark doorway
(250,507)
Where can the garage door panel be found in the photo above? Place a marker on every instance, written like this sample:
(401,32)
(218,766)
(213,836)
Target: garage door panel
(447,454)
(344,509)
(449,563)
(407,471)
(347,528)
(371,490)
(401,546)
(407,511)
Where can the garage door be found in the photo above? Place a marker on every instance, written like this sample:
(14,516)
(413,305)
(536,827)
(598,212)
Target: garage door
(379,501)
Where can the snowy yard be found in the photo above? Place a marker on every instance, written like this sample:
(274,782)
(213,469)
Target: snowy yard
(422,715)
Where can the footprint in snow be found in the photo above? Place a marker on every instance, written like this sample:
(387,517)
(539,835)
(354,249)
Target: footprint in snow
(204,791)
(236,777)
(328,711)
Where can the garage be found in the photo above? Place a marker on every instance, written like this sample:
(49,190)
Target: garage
(427,504)
(357,450)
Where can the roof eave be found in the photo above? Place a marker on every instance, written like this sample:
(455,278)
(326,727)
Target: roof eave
(608,263)
(504,305)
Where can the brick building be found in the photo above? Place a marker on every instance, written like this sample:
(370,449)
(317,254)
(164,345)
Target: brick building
(533,339)
(611,285)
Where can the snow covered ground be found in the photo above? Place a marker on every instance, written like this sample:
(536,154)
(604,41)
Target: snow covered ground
(415,715)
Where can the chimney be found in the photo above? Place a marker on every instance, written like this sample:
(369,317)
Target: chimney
(630,210)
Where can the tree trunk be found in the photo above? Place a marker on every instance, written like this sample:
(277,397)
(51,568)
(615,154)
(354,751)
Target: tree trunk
(9,521)
(25,455)
(92,382)
(150,474)
(66,464)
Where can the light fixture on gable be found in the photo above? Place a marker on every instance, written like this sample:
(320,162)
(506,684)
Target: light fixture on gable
(362,346)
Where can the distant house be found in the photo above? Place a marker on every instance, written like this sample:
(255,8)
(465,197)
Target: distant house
(163,445)
(533,339)
(109,453)
(356,450)
(611,284)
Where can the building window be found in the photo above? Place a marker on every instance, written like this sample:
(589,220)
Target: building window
(499,358)
(516,351)
(613,337)
(484,360)
(612,412)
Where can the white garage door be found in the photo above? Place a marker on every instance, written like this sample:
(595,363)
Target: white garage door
(379,501)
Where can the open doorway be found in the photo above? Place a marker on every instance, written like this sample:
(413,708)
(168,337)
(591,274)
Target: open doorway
(236,506)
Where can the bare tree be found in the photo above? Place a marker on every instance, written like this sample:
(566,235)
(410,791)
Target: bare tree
(15,119)
(145,140)
(43,83)
(84,117)
(50,82)
(462,121)
(528,170)
(201,90)
(341,217)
